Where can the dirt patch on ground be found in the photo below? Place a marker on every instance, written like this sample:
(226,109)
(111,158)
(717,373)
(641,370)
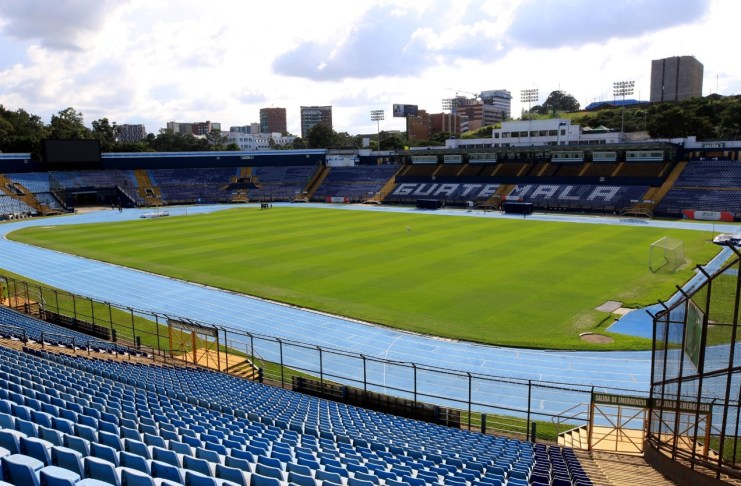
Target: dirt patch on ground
(91,209)
(596,338)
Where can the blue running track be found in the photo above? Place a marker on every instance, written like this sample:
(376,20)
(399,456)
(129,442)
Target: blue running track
(140,290)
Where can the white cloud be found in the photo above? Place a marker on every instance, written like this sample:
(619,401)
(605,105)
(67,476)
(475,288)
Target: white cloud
(151,62)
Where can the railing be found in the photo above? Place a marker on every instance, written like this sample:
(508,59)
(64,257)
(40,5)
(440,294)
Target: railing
(509,406)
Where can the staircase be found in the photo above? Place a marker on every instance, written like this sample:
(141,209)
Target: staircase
(316,181)
(655,194)
(245,369)
(576,438)
(17,191)
(146,190)
(386,189)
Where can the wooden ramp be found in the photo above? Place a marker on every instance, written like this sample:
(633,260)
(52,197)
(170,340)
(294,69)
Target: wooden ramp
(625,469)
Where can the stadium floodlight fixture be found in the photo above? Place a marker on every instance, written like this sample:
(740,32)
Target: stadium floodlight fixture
(377,116)
(529,95)
(622,88)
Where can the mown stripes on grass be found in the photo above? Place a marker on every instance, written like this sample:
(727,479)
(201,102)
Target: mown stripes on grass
(504,281)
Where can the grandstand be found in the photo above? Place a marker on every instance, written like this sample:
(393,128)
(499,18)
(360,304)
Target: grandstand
(74,419)
(76,408)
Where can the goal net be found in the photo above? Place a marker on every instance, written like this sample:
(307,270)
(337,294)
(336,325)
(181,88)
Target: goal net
(666,255)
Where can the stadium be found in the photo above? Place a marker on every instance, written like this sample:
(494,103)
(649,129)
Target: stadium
(439,317)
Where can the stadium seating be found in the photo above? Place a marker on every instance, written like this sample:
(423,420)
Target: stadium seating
(280,183)
(193,185)
(36,182)
(354,183)
(578,195)
(706,185)
(67,417)
(11,206)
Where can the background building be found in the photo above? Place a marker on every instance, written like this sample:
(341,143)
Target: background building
(273,120)
(675,78)
(195,128)
(418,127)
(314,115)
(445,122)
(251,128)
(500,101)
(131,133)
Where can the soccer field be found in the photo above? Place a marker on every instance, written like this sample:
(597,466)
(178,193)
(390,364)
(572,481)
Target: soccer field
(512,282)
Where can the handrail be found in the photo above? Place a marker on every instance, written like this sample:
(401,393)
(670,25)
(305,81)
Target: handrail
(562,417)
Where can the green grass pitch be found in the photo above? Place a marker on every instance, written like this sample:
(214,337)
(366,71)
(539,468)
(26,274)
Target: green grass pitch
(514,282)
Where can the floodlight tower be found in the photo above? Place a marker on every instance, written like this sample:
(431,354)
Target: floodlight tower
(377,116)
(622,88)
(528,96)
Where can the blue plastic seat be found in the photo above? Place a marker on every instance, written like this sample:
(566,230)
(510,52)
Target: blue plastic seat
(181,448)
(154,440)
(137,447)
(358,482)
(11,440)
(269,461)
(37,448)
(328,476)
(243,454)
(57,476)
(208,455)
(232,474)
(268,471)
(63,425)
(51,435)
(104,452)
(167,471)
(68,459)
(166,456)
(133,461)
(367,477)
(135,477)
(86,432)
(110,439)
(193,478)
(238,463)
(198,465)
(78,444)
(260,480)
(26,427)
(128,433)
(20,469)
(7,421)
(301,479)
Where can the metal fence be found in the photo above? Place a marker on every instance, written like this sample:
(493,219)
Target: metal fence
(517,407)
(696,374)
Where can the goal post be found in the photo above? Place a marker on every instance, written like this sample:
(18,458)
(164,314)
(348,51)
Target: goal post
(666,255)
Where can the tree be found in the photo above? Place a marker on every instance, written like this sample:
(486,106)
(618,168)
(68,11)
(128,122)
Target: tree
(216,140)
(321,135)
(557,101)
(21,132)
(106,132)
(68,125)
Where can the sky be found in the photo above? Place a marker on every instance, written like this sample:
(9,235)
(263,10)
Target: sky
(154,61)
